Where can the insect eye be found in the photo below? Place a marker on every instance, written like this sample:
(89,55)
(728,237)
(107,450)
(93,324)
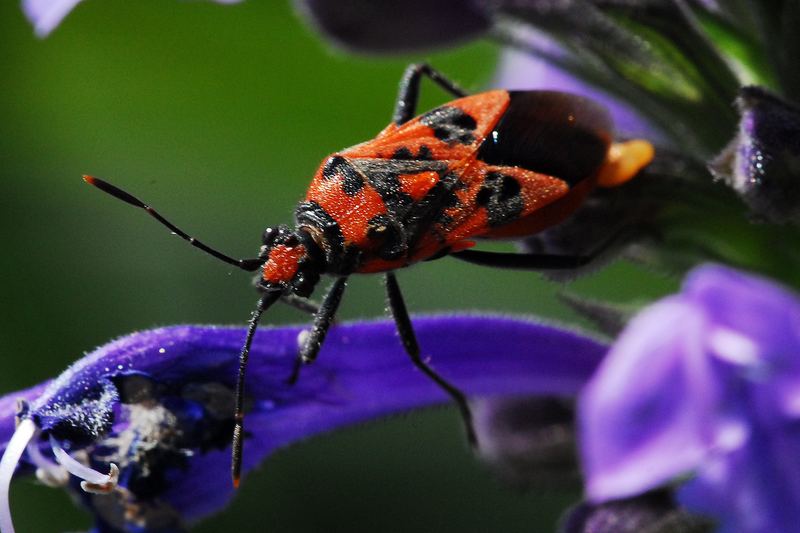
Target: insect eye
(291,241)
(269,236)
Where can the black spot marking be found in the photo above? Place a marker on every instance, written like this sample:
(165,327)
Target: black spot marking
(402,153)
(424,153)
(509,188)
(337,167)
(405,154)
(429,213)
(389,237)
(450,124)
(500,196)
(384,176)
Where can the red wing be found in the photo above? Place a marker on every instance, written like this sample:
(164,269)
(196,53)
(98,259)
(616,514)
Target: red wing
(494,202)
(453,131)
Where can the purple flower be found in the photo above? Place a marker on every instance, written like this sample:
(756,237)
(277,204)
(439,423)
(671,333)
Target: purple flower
(45,15)
(703,384)
(146,421)
(392,26)
(762,163)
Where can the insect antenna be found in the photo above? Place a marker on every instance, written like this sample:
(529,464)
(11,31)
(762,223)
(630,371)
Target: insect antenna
(264,303)
(250,265)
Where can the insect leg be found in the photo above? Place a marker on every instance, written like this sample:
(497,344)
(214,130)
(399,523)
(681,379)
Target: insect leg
(516,261)
(238,417)
(409,339)
(322,322)
(301,304)
(406,106)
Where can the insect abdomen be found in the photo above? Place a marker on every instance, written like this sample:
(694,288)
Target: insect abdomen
(552,133)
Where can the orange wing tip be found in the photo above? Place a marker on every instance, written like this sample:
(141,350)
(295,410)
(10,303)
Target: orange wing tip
(236,483)
(91,180)
(625,160)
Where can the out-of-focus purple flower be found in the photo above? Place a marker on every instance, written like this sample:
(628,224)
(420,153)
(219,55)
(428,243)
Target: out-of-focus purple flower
(528,441)
(392,26)
(704,384)
(521,71)
(762,163)
(654,512)
(158,405)
(45,15)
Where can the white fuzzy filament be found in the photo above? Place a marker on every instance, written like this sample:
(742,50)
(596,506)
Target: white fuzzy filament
(48,472)
(93,481)
(8,464)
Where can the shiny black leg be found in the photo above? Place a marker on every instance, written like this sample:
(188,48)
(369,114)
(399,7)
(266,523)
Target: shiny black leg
(522,261)
(409,339)
(406,106)
(322,322)
(238,429)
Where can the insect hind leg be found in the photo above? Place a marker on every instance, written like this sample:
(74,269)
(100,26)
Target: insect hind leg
(409,339)
(406,106)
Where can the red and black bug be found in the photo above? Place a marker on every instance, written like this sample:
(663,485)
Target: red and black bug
(499,164)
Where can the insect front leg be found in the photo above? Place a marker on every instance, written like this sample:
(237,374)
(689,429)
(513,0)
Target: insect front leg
(264,303)
(301,304)
(406,106)
(322,323)
(404,328)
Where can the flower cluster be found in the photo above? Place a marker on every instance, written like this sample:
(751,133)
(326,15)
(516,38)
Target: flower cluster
(689,423)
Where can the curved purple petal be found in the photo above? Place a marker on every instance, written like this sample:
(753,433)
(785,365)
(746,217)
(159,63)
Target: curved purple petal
(761,162)
(645,414)
(171,405)
(46,15)
(705,383)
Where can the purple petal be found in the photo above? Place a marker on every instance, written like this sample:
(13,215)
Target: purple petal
(644,414)
(174,386)
(46,15)
(705,383)
(762,163)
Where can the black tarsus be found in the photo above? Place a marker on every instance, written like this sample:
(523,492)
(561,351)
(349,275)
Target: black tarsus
(406,106)
(517,261)
(322,323)
(406,331)
(264,303)
(250,265)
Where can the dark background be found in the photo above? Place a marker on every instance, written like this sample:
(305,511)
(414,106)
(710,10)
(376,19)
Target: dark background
(219,116)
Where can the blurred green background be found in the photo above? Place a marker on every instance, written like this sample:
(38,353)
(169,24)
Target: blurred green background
(219,115)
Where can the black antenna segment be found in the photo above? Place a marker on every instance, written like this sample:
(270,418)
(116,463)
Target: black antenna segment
(249,265)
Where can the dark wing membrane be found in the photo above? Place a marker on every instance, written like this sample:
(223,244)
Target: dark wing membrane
(549,132)
(450,132)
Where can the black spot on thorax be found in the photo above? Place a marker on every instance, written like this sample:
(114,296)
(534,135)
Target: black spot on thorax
(337,167)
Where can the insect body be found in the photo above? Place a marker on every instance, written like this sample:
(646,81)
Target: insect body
(498,164)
